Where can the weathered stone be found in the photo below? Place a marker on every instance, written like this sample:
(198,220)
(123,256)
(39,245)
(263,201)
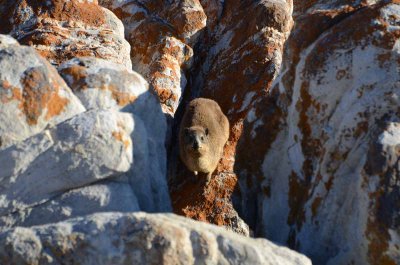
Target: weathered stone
(92,146)
(6,40)
(32,94)
(101,84)
(62,30)
(235,65)
(148,177)
(138,238)
(161,35)
(109,196)
(325,173)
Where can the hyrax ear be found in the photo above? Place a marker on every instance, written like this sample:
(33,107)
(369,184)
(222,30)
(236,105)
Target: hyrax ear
(206,131)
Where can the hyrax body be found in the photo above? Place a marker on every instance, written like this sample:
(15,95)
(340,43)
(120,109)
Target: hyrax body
(204,131)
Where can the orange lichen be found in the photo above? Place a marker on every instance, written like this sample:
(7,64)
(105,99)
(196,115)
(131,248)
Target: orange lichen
(78,74)
(74,10)
(120,136)
(55,105)
(39,95)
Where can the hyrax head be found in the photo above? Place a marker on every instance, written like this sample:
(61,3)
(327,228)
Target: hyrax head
(196,139)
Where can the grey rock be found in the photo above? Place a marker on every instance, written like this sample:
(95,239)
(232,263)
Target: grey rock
(32,94)
(107,196)
(138,238)
(85,149)
(101,84)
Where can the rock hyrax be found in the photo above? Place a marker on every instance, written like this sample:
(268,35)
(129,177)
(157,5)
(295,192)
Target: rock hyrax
(203,133)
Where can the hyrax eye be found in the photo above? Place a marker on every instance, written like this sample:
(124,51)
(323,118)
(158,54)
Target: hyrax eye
(186,131)
(206,131)
(202,138)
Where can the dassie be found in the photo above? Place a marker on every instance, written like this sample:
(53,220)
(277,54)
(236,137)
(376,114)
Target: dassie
(203,133)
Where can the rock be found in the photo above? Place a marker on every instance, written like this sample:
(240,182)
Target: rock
(137,238)
(109,196)
(148,177)
(101,84)
(236,62)
(62,30)
(162,35)
(32,94)
(327,160)
(6,40)
(90,147)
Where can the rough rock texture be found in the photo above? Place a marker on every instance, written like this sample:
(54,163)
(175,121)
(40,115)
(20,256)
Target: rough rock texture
(327,154)
(312,161)
(162,35)
(100,84)
(138,239)
(58,161)
(235,65)
(75,153)
(61,30)
(32,94)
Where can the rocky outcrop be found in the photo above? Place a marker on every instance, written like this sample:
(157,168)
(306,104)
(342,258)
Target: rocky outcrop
(235,65)
(162,35)
(32,94)
(101,84)
(137,238)
(313,156)
(61,30)
(60,161)
(327,155)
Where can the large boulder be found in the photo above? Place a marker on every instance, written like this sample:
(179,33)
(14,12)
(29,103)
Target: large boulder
(58,161)
(62,30)
(100,84)
(32,94)
(73,154)
(325,165)
(162,35)
(138,238)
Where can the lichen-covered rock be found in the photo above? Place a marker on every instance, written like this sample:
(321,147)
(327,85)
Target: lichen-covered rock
(236,64)
(32,94)
(101,84)
(90,147)
(138,238)
(327,154)
(62,30)
(162,35)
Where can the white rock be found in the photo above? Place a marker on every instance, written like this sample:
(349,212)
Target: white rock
(138,238)
(109,196)
(32,94)
(87,148)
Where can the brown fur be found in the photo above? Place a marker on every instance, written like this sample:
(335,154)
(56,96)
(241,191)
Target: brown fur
(207,128)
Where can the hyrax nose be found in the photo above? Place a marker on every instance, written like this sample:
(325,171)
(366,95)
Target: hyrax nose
(195,145)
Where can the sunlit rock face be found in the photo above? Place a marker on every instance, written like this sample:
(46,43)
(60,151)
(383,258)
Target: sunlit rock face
(66,147)
(138,238)
(162,35)
(61,30)
(329,183)
(89,116)
(235,62)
